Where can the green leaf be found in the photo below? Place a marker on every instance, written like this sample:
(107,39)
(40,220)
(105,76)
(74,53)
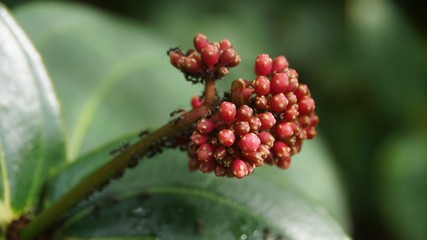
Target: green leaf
(31,133)
(112,76)
(402,172)
(161,198)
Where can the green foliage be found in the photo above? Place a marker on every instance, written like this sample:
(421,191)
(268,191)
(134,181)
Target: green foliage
(31,140)
(104,68)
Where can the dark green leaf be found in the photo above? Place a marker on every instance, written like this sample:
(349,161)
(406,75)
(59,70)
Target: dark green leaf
(161,198)
(31,133)
(403,184)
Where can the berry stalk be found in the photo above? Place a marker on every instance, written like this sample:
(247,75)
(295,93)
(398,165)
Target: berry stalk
(126,158)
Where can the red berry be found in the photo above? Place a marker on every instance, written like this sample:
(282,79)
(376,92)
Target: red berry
(241,128)
(205,125)
(279,83)
(284,163)
(227,57)
(261,85)
(206,166)
(302,91)
(236,61)
(314,119)
(239,168)
(293,84)
(261,102)
(244,113)
(278,102)
(247,93)
(200,41)
(311,132)
(199,139)
(255,158)
(226,137)
(196,102)
(264,150)
(267,120)
(281,150)
(210,55)
(205,152)
(283,130)
(279,64)
(255,123)
(249,143)
(193,164)
(292,98)
(291,113)
(266,138)
(191,65)
(222,72)
(225,44)
(227,111)
(176,59)
(220,152)
(263,65)
(306,105)
(220,170)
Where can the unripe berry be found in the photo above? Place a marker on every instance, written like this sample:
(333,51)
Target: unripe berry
(225,44)
(205,152)
(226,137)
(227,57)
(261,85)
(244,113)
(227,111)
(255,123)
(199,139)
(283,131)
(306,105)
(210,55)
(292,98)
(249,143)
(281,150)
(267,120)
(192,66)
(279,64)
(236,61)
(241,128)
(196,102)
(266,138)
(220,152)
(205,125)
(175,59)
(278,102)
(263,65)
(206,166)
(255,158)
(261,102)
(279,83)
(200,41)
(239,168)
(220,170)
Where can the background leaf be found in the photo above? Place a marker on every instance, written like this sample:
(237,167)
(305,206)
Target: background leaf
(160,198)
(113,77)
(31,133)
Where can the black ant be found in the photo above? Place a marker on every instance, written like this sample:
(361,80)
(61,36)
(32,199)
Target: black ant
(175,49)
(143,133)
(177,111)
(119,149)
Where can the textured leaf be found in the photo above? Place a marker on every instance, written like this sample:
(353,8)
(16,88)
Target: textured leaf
(31,133)
(160,198)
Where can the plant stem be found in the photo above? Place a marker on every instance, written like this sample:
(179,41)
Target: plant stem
(102,175)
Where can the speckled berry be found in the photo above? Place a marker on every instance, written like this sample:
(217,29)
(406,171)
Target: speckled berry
(200,41)
(227,111)
(205,125)
(263,65)
(279,83)
(267,120)
(210,55)
(244,113)
(205,152)
(226,137)
(261,85)
(241,128)
(279,64)
(249,142)
(278,102)
(239,168)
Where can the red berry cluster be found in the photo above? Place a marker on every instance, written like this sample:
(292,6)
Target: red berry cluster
(208,60)
(266,123)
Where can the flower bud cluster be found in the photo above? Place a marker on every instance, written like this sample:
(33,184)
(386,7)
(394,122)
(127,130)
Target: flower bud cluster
(208,59)
(265,120)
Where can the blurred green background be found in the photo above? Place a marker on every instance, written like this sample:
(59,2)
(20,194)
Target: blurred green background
(365,62)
